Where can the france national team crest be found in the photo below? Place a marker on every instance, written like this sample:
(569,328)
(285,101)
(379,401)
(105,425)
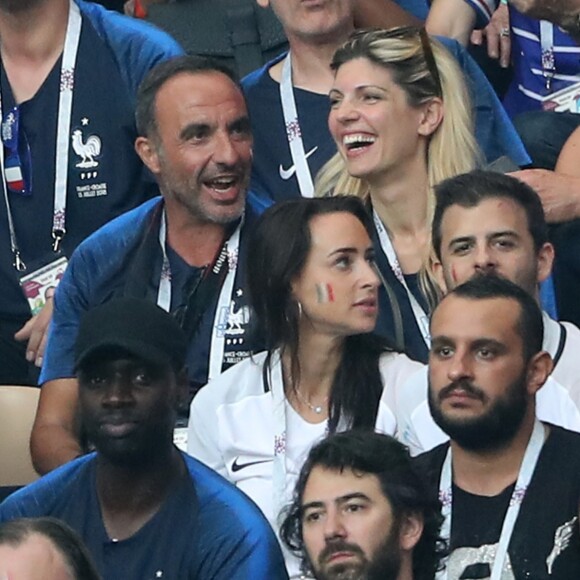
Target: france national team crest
(88,147)
(232,321)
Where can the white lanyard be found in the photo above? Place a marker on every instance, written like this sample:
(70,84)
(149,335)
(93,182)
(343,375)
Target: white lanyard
(293,131)
(67,71)
(217,347)
(547,46)
(421,316)
(276,380)
(527,468)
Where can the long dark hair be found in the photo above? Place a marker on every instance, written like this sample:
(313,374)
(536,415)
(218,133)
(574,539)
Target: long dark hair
(278,250)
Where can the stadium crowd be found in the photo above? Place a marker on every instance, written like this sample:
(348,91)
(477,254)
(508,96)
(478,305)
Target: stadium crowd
(321,321)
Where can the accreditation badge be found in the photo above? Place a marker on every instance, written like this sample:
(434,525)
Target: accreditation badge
(39,285)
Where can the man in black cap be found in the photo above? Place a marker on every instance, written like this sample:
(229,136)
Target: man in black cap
(144,509)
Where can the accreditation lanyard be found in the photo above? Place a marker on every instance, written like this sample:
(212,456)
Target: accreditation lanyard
(420,315)
(67,71)
(547,46)
(293,131)
(276,381)
(527,468)
(229,254)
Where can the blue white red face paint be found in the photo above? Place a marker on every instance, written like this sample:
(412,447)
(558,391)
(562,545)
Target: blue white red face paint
(324,293)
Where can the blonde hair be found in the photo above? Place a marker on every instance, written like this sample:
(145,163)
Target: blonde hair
(451,149)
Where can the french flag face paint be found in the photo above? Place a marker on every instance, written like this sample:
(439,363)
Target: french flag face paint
(324,293)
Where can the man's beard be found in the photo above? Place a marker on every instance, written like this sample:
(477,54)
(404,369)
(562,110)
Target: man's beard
(384,564)
(491,430)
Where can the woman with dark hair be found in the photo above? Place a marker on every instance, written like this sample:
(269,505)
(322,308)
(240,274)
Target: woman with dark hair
(313,287)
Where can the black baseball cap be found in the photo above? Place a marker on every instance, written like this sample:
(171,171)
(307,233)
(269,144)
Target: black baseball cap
(135,326)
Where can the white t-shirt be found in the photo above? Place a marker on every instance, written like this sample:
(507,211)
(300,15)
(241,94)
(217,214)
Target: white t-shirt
(231,428)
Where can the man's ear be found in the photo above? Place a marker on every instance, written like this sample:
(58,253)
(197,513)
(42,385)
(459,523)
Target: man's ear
(539,368)
(545,261)
(437,268)
(147,151)
(263,3)
(410,531)
(432,117)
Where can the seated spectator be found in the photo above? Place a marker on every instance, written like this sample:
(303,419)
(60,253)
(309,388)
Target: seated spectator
(492,224)
(180,251)
(545,60)
(143,508)
(509,484)
(361,511)
(70,72)
(401,120)
(314,290)
(288,98)
(40,548)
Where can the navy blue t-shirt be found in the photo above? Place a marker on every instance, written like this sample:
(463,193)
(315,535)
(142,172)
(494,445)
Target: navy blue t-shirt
(206,529)
(103,109)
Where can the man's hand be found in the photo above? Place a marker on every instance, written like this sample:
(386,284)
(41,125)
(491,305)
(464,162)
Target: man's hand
(497,36)
(35,331)
(560,194)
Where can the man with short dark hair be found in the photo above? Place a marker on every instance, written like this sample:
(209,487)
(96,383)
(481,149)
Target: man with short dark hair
(361,512)
(182,251)
(143,508)
(492,224)
(509,483)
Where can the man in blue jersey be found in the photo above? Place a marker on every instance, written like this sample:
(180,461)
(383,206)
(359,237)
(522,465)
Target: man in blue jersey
(183,251)
(69,73)
(143,508)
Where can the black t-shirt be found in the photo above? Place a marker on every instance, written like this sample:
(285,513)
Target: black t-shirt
(545,543)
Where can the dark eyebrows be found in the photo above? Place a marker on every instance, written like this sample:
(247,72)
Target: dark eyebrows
(339,500)
(194,130)
(350,496)
(461,240)
(312,505)
(504,234)
(343,251)
(241,124)
(487,343)
(439,341)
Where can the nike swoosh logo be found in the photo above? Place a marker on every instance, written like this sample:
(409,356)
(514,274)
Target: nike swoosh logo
(237,466)
(286,174)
